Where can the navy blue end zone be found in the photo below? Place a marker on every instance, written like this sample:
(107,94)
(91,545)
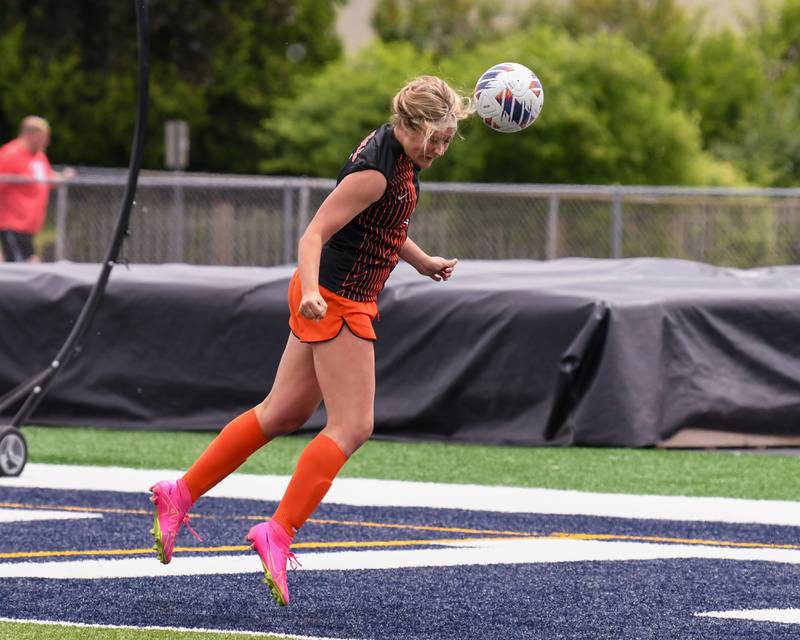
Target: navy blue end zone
(614,600)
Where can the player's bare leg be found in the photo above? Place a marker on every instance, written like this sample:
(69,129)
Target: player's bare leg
(295,394)
(349,391)
(294,397)
(345,370)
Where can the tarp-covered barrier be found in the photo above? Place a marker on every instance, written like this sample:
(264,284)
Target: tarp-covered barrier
(572,351)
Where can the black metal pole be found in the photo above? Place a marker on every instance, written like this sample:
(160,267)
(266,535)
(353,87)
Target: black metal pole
(38,385)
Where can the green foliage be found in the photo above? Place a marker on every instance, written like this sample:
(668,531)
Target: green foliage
(769,150)
(91,112)
(220,66)
(727,72)
(778,35)
(629,84)
(664,29)
(737,86)
(743,89)
(769,146)
(32,82)
(313,132)
(608,115)
(439,27)
(269,51)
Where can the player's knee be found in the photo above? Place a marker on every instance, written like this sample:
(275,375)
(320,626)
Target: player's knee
(291,422)
(275,423)
(361,431)
(261,407)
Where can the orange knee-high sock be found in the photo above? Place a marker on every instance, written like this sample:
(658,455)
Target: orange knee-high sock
(241,437)
(316,468)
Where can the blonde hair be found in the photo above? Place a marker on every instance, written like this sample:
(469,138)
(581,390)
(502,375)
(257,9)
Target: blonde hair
(428,104)
(34,123)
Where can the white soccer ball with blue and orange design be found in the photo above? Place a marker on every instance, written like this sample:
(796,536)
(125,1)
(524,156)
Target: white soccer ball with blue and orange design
(509,97)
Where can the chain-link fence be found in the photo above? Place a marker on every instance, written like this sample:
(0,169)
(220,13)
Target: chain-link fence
(236,220)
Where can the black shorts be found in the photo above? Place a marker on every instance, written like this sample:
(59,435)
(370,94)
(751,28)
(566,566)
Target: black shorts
(17,247)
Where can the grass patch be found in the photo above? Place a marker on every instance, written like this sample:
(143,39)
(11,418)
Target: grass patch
(28,631)
(646,471)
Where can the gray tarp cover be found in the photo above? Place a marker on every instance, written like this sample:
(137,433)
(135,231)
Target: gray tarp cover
(573,351)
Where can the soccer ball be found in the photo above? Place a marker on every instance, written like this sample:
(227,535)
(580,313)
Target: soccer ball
(509,97)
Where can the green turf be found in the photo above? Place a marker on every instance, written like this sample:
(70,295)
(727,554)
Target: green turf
(648,471)
(25,631)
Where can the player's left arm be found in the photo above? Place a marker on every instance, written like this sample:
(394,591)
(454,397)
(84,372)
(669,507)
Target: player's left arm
(435,267)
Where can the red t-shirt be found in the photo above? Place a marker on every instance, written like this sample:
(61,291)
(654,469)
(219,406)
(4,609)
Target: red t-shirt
(23,206)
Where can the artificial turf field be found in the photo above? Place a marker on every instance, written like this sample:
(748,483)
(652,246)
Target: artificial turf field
(637,581)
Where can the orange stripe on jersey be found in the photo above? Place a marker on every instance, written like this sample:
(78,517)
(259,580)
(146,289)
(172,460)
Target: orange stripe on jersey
(387,238)
(357,259)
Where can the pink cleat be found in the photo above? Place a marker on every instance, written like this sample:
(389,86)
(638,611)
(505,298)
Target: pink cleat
(272,543)
(172,502)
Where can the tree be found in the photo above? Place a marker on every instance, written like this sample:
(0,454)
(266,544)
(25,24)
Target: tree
(664,29)
(313,132)
(608,116)
(770,148)
(777,33)
(218,65)
(725,78)
(738,85)
(438,27)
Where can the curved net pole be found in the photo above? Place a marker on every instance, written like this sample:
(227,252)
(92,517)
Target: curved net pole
(37,386)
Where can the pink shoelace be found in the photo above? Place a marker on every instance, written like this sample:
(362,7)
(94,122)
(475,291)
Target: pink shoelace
(189,527)
(176,510)
(294,563)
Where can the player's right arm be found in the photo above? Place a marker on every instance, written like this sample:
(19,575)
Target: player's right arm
(350,197)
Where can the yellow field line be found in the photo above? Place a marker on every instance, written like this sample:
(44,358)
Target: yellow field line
(404,543)
(17,505)
(343,544)
(420,527)
(347,523)
(353,544)
(382,543)
(71,553)
(696,541)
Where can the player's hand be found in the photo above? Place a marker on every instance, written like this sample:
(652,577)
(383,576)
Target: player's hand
(313,306)
(68,173)
(439,268)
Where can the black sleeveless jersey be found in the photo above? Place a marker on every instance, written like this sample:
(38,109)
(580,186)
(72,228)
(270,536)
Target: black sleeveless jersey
(357,260)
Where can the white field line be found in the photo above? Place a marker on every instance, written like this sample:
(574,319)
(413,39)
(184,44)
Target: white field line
(479,552)
(394,493)
(785,616)
(27,515)
(82,625)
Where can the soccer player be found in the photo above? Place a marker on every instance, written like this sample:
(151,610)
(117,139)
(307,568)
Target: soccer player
(344,258)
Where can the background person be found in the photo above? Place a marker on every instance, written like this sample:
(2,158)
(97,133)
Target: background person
(23,205)
(345,256)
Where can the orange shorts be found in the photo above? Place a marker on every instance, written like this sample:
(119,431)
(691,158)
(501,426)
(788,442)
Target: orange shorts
(357,315)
